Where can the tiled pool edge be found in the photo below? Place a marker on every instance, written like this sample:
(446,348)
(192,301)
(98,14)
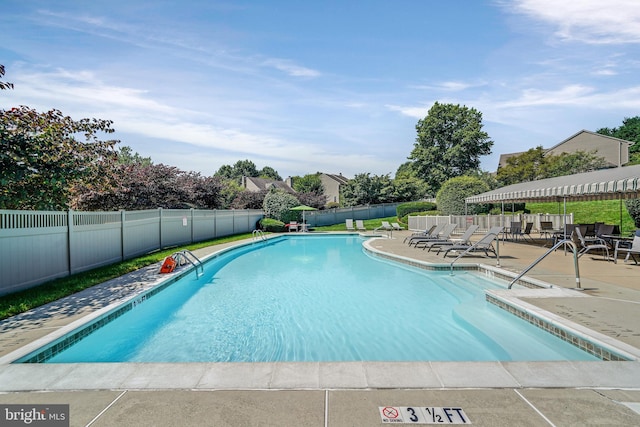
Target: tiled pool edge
(592,342)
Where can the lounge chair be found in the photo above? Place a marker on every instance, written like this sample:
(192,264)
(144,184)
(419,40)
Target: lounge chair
(442,237)
(462,240)
(420,233)
(485,244)
(586,245)
(433,234)
(396,226)
(360,225)
(349,224)
(631,251)
(385,226)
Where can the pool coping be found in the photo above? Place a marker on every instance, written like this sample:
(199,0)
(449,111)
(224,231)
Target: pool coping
(304,375)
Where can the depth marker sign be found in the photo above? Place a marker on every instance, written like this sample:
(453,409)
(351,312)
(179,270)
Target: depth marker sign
(422,415)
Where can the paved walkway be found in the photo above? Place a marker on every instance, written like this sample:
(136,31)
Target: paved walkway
(350,394)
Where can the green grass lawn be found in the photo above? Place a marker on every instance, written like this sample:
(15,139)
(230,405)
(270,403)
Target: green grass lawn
(369,224)
(607,211)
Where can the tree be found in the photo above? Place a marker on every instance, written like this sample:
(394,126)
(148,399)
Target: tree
(450,142)
(41,159)
(246,168)
(310,183)
(408,189)
(629,131)
(365,189)
(268,172)
(126,156)
(4,85)
(452,194)
(137,186)
(570,163)
(533,164)
(523,167)
(249,200)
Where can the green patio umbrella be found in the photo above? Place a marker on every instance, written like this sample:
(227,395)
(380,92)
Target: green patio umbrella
(303,208)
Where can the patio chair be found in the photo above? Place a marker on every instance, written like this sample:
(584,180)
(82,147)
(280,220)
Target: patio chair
(485,244)
(586,245)
(360,225)
(631,251)
(516,231)
(292,226)
(464,239)
(546,229)
(605,232)
(396,226)
(420,233)
(564,233)
(349,224)
(442,236)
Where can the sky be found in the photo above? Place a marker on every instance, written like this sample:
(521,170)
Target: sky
(333,86)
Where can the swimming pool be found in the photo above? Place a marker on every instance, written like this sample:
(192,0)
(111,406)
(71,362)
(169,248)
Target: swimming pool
(317,298)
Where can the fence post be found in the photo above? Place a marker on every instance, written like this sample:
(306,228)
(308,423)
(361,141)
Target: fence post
(122,233)
(191,224)
(70,241)
(160,227)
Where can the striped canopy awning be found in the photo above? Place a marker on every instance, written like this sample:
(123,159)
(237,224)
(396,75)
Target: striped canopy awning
(603,184)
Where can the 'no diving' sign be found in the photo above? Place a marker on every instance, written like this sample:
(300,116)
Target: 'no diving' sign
(422,415)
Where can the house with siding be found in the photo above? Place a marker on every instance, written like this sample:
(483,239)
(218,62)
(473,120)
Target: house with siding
(254,184)
(615,151)
(332,184)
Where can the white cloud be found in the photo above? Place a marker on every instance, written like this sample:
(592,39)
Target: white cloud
(290,68)
(588,21)
(450,86)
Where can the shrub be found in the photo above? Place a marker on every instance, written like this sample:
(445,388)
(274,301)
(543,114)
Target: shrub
(451,196)
(277,205)
(273,225)
(633,207)
(406,208)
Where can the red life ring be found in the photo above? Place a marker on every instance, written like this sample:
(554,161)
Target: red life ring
(168,265)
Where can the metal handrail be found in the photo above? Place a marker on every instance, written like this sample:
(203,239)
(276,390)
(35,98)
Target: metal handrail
(469,249)
(192,259)
(258,234)
(556,246)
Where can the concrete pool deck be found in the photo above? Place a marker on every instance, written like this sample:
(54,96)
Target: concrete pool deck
(337,394)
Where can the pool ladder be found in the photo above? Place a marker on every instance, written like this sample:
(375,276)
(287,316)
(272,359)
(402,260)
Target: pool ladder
(186,255)
(556,246)
(258,234)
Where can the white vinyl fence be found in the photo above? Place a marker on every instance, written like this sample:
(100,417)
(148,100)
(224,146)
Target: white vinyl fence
(37,246)
(339,215)
(485,222)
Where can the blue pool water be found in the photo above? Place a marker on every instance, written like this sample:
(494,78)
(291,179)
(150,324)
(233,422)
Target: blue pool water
(318,298)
